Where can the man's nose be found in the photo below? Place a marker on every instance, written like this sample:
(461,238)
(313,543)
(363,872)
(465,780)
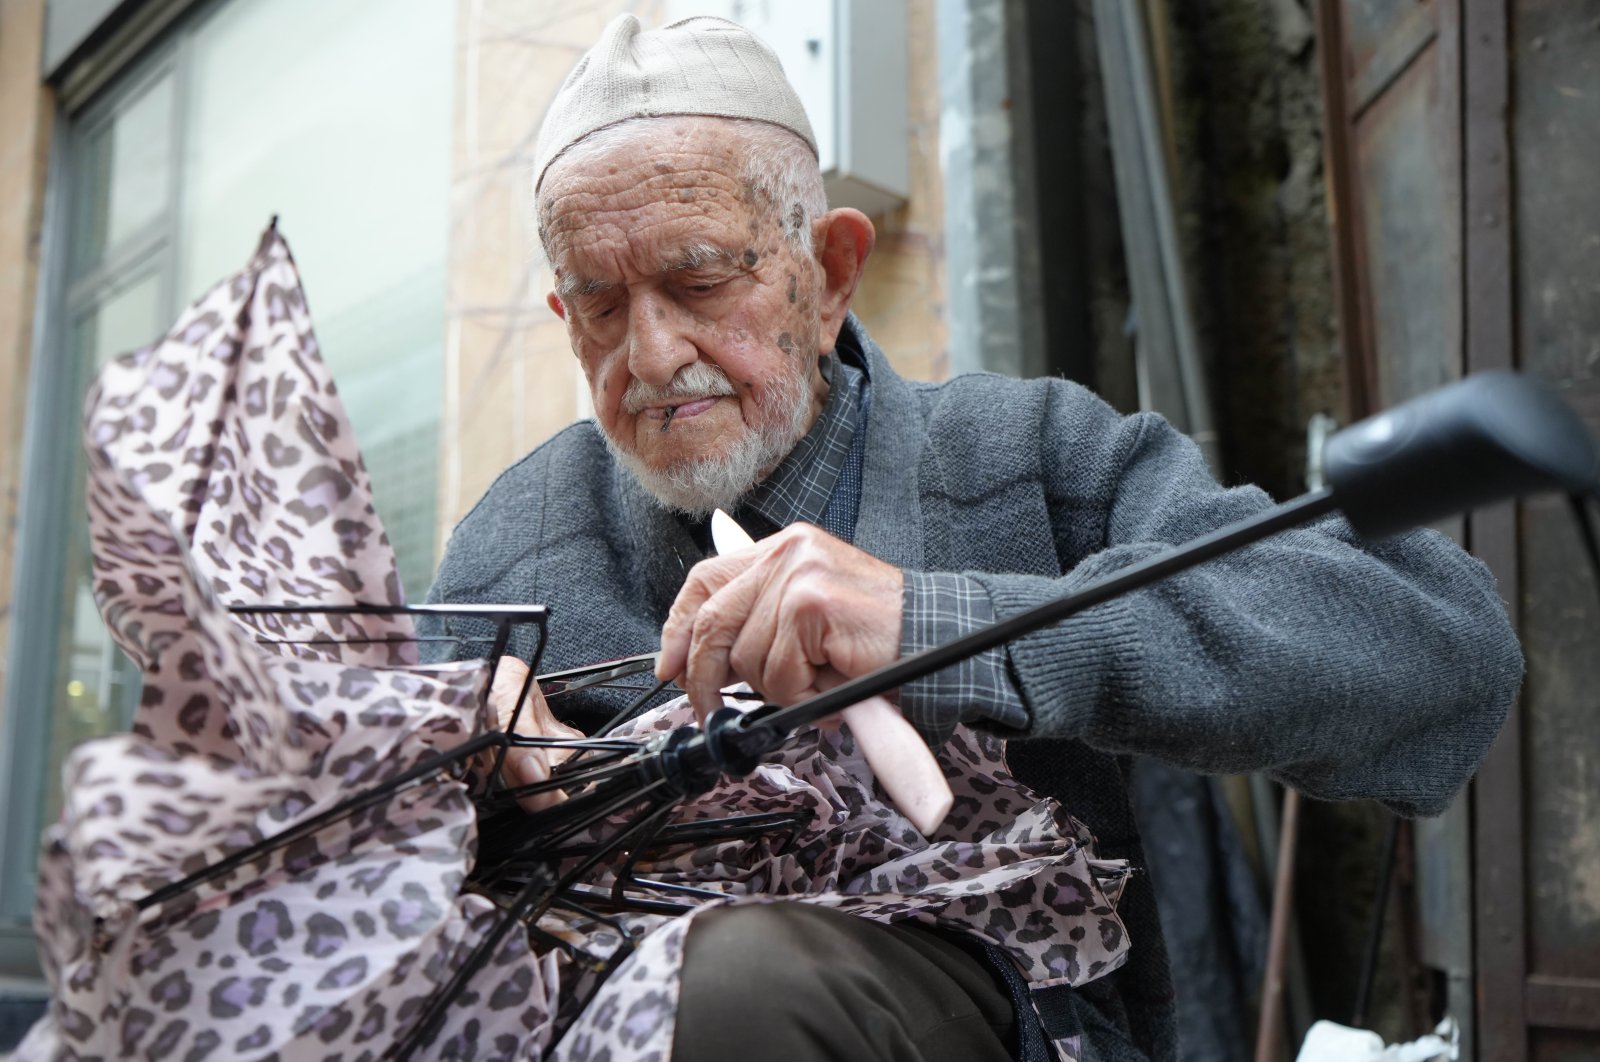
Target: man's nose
(658,344)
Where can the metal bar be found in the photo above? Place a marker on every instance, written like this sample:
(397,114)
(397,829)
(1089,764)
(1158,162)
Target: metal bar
(1269,1028)
(440,1001)
(593,771)
(510,613)
(1199,423)
(397,640)
(1500,945)
(1171,381)
(678,888)
(502,636)
(628,665)
(602,899)
(540,741)
(1267,820)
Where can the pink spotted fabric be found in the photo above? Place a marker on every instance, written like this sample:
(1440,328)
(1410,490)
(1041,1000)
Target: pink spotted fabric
(224,472)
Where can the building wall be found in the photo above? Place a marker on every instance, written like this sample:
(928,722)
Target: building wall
(510,379)
(26,111)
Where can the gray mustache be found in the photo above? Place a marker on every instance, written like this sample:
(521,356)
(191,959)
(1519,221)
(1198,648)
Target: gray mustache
(699,380)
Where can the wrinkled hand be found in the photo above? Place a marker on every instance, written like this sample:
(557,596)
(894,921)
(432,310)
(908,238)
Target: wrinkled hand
(800,613)
(793,609)
(526,766)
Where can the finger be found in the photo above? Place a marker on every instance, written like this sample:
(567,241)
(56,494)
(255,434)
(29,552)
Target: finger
(537,718)
(717,625)
(758,640)
(798,657)
(705,580)
(526,766)
(510,674)
(530,767)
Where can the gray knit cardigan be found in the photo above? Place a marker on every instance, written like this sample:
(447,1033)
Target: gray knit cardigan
(1381,672)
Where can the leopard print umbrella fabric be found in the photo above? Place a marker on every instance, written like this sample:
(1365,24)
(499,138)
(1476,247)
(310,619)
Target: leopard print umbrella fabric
(224,472)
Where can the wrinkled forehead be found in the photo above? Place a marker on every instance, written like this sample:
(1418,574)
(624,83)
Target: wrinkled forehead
(612,227)
(658,189)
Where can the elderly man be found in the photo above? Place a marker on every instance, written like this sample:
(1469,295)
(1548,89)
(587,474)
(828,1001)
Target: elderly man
(706,289)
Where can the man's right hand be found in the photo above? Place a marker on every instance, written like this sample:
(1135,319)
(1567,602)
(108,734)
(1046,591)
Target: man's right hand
(525,766)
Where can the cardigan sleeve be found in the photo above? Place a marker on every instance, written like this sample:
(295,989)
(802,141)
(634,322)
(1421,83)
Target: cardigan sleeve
(1347,670)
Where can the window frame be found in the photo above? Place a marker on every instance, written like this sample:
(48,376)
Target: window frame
(132,59)
(51,450)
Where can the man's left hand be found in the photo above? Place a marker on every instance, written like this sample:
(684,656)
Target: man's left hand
(790,615)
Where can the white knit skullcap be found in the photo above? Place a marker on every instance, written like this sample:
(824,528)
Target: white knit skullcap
(701,65)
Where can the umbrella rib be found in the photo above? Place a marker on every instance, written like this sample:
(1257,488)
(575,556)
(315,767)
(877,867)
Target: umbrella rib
(582,816)
(631,903)
(346,807)
(528,905)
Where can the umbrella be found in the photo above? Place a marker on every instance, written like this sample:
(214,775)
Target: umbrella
(292,852)
(222,466)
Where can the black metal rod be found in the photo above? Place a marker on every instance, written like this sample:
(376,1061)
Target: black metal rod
(593,771)
(539,741)
(633,709)
(632,903)
(344,808)
(1135,576)
(574,816)
(656,820)
(510,613)
(731,828)
(671,886)
(502,637)
(443,639)
(442,998)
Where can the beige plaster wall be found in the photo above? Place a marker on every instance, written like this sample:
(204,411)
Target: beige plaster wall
(510,380)
(25,118)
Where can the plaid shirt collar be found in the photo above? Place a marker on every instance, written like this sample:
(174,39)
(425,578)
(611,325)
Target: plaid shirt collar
(799,488)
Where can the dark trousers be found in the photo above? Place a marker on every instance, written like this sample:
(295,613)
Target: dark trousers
(789,982)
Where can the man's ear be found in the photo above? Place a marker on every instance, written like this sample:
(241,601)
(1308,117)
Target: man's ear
(843,239)
(557,307)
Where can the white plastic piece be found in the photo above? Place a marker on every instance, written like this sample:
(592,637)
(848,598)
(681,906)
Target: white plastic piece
(1330,1042)
(901,762)
(899,758)
(727,536)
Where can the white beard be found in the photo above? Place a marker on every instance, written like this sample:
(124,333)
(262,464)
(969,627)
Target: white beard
(696,486)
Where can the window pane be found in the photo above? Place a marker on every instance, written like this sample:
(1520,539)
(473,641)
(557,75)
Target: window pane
(127,173)
(126,321)
(336,117)
(95,686)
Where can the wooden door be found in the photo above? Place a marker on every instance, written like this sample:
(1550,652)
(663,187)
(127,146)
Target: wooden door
(1464,158)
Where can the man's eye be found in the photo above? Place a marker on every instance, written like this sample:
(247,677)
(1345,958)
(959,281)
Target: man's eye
(703,287)
(597,309)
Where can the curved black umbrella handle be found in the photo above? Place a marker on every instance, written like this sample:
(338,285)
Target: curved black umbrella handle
(1488,437)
